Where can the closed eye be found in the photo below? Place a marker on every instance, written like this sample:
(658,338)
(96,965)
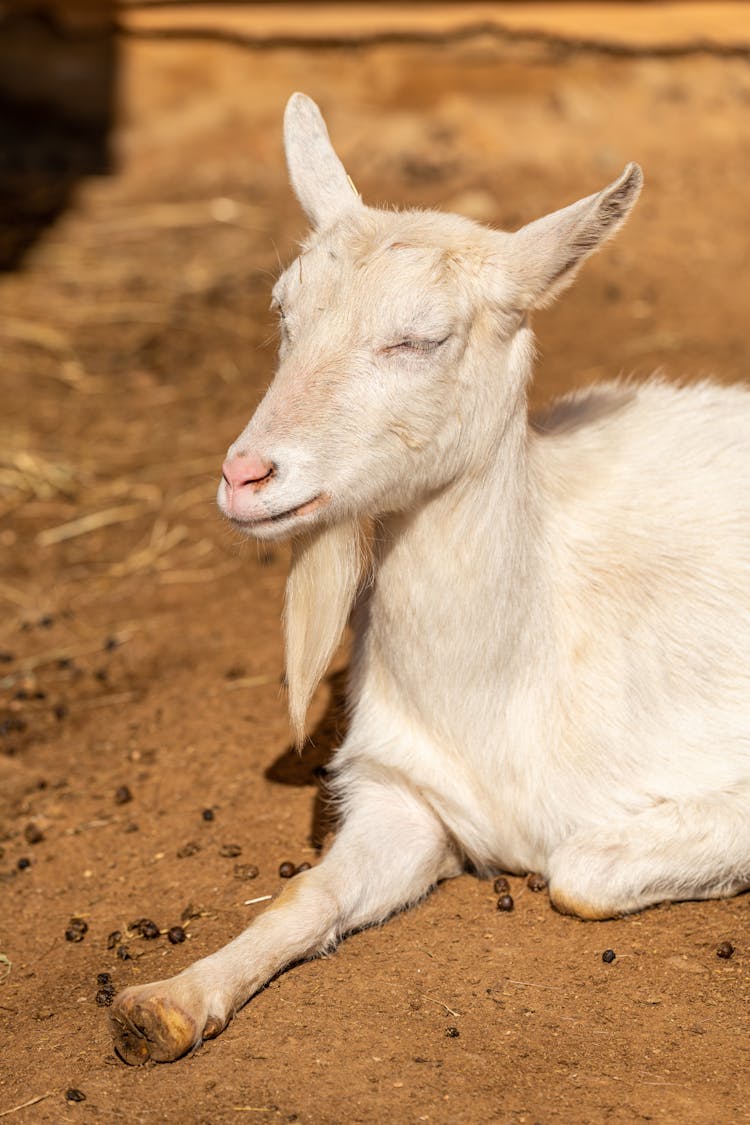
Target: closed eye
(278,308)
(418,344)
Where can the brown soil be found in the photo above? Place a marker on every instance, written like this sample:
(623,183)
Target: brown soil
(145,652)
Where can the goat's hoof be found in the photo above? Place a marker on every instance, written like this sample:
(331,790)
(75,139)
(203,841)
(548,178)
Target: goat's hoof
(149,1025)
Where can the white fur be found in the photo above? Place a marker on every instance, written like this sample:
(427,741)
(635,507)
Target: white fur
(551,653)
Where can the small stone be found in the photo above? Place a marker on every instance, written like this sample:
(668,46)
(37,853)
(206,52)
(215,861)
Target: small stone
(608,956)
(246,871)
(501,886)
(536,882)
(73,1095)
(176,935)
(114,939)
(230,851)
(505,903)
(286,870)
(725,950)
(452,1032)
(123,795)
(208,814)
(23,863)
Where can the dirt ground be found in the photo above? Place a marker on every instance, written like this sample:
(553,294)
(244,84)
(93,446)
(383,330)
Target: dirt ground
(140,641)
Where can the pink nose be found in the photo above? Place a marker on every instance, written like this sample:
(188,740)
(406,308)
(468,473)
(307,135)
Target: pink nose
(246,470)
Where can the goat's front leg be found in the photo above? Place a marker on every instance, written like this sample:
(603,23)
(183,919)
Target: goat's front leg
(390,850)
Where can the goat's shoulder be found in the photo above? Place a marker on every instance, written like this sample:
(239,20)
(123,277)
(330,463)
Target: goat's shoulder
(628,427)
(644,455)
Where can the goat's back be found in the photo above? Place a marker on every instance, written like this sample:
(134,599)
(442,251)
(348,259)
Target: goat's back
(646,522)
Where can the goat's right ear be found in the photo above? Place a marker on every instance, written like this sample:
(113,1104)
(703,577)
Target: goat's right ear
(318,177)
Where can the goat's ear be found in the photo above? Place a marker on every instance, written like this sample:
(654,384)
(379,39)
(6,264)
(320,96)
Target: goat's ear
(318,177)
(547,253)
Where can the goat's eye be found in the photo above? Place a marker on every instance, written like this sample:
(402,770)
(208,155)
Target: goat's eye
(283,324)
(418,344)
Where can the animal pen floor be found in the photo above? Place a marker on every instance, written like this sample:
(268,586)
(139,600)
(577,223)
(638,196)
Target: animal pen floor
(141,646)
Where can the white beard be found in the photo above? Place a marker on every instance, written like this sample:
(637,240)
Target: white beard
(325,575)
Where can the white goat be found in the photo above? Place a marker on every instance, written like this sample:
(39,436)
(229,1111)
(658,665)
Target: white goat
(551,619)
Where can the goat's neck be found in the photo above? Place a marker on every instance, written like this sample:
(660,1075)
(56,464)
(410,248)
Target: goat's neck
(458,591)
(480,527)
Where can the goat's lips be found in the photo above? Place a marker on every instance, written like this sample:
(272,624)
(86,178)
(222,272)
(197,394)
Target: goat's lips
(304,509)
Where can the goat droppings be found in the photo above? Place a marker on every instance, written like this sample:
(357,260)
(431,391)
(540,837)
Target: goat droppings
(176,935)
(286,870)
(725,950)
(608,956)
(501,886)
(505,902)
(452,1032)
(76,930)
(246,871)
(536,883)
(73,1095)
(145,927)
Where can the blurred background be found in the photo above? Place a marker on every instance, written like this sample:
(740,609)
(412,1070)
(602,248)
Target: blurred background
(144,213)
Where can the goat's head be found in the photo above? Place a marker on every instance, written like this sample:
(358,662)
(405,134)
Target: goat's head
(385,390)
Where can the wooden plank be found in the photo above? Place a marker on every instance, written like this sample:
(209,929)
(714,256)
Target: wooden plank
(624,25)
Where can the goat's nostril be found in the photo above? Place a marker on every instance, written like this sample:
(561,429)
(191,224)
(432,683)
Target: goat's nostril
(247,471)
(259,480)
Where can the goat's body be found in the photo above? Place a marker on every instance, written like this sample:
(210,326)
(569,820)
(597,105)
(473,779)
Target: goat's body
(616,676)
(552,653)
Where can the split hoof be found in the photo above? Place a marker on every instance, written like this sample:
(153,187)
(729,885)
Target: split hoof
(148,1024)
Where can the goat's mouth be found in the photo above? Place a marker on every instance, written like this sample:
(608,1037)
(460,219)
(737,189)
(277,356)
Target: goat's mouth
(262,523)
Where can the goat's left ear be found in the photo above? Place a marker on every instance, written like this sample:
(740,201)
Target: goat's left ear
(318,177)
(546,254)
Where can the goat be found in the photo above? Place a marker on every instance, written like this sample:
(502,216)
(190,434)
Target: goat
(551,617)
